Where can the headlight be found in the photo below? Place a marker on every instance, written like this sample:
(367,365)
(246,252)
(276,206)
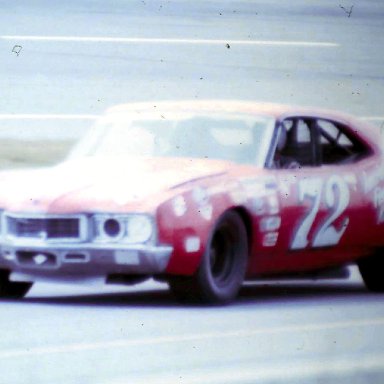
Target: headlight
(140,228)
(135,228)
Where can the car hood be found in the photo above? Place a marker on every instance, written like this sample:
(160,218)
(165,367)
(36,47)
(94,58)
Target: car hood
(101,184)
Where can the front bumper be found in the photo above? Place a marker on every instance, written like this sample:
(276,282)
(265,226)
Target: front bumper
(48,260)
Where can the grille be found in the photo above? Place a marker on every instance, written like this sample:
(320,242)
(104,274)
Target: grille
(44,228)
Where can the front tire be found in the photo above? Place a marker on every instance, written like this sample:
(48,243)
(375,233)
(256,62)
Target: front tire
(10,289)
(372,271)
(222,267)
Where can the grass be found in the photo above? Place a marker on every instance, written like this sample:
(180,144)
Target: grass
(28,154)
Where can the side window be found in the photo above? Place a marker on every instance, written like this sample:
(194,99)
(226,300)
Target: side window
(303,132)
(294,145)
(336,146)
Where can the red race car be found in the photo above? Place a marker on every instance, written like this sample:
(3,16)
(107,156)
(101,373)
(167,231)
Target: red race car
(202,195)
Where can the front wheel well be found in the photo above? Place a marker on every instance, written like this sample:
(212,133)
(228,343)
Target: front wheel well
(246,218)
(223,266)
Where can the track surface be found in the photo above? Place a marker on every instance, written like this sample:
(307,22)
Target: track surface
(74,59)
(274,333)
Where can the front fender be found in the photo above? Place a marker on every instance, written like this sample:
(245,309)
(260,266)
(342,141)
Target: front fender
(185,222)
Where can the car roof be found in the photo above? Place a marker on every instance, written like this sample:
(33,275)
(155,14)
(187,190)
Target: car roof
(275,110)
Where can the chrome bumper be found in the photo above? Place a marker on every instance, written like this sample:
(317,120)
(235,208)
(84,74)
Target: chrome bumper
(83,259)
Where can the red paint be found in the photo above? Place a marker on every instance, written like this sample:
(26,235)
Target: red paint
(209,188)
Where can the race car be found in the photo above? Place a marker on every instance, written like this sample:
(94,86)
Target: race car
(203,195)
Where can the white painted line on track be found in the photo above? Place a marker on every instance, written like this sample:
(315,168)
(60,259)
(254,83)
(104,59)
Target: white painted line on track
(80,347)
(31,116)
(308,370)
(145,40)
(47,116)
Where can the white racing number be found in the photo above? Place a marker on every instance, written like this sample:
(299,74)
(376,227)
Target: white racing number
(336,200)
(308,189)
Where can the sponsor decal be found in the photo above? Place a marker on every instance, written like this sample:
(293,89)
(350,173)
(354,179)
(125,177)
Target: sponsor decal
(270,223)
(270,239)
(206,211)
(179,206)
(192,244)
(273,203)
(201,197)
(264,201)
(258,206)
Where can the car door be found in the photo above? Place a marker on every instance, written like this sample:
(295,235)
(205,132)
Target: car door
(319,194)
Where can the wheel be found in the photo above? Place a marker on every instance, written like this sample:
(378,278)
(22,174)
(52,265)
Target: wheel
(372,271)
(222,267)
(12,290)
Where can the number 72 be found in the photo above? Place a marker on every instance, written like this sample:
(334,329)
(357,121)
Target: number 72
(337,198)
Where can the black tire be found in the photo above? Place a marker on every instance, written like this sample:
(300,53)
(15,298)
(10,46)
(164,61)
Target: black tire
(372,271)
(10,289)
(222,267)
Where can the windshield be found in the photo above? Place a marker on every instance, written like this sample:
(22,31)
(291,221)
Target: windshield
(235,138)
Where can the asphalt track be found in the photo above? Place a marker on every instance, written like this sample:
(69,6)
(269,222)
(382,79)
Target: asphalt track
(73,60)
(63,63)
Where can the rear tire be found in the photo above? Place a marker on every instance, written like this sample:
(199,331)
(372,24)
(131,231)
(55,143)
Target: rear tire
(222,267)
(372,271)
(10,289)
